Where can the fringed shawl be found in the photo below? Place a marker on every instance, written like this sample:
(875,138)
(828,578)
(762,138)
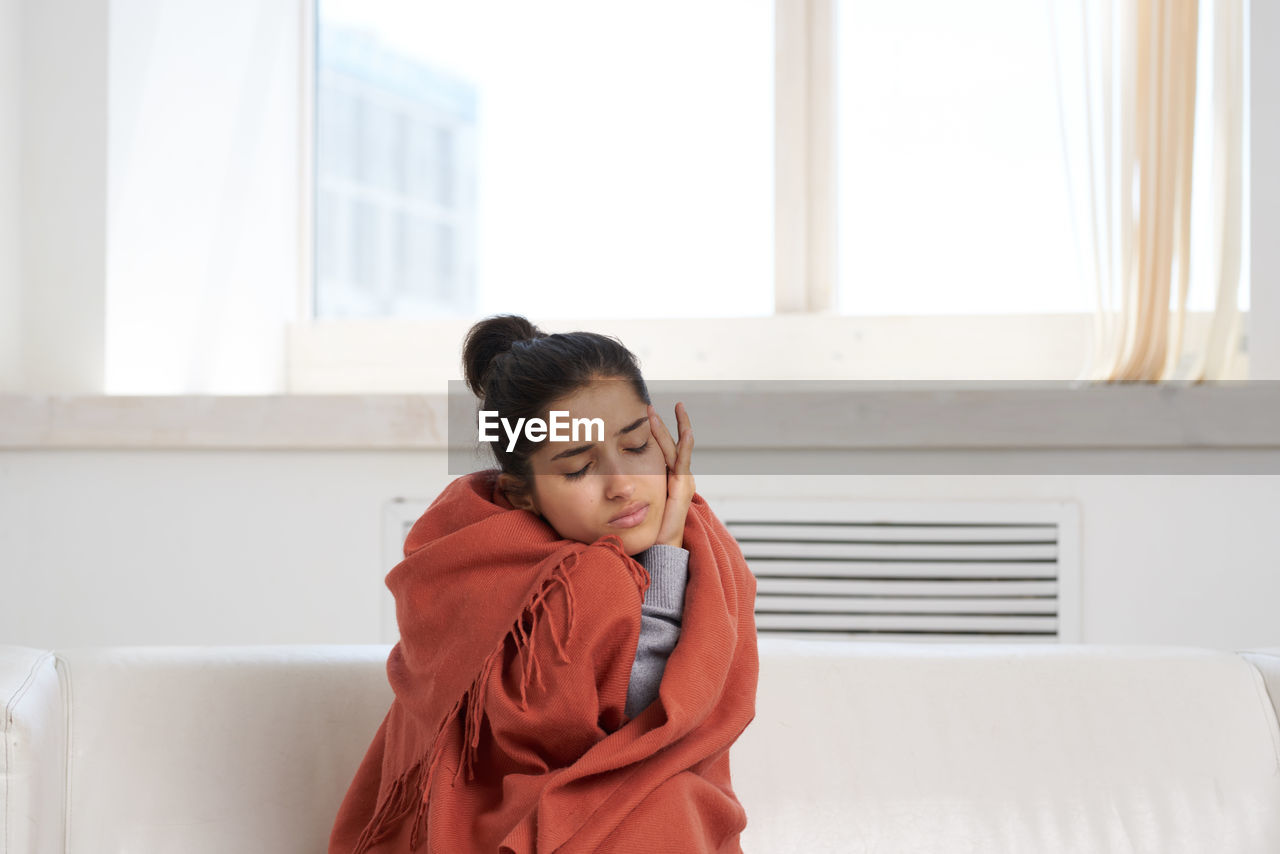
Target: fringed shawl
(507,732)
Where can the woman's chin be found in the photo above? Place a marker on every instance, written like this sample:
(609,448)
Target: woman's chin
(637,543)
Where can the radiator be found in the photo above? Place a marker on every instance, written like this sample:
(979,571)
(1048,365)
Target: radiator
(956,571)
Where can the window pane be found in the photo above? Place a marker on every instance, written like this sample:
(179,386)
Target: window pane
(563,159)
(1203,290)
(952,191)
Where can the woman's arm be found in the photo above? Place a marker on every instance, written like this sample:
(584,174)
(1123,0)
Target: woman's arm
(660,618)
(546,712)
(539,725)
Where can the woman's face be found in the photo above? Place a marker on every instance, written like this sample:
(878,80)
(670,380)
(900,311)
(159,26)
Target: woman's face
(589,488)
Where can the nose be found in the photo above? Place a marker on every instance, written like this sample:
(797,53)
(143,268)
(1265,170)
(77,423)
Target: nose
(618,482)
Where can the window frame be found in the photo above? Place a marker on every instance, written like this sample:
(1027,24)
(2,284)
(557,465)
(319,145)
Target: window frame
(805,265)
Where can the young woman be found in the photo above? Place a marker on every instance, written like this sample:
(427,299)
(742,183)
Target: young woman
(577,645)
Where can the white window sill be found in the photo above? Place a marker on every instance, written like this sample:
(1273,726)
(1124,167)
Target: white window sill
(868,416)
(412,356)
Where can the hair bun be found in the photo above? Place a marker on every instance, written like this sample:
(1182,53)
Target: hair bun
(487,340)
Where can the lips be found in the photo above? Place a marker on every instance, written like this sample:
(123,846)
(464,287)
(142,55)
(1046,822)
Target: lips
(631,515)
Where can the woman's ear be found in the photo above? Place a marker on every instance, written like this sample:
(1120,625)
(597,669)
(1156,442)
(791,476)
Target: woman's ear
(516,492)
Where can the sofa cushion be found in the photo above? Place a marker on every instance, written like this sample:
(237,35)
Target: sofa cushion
(216,749)
(33,759)
(993,748)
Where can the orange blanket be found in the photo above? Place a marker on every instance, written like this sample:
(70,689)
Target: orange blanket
(507,731)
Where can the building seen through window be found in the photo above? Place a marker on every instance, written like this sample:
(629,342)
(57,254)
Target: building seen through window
(563,159)
(395,182)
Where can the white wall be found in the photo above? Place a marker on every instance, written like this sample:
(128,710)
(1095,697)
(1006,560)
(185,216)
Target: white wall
(10,200)
(202,274)
(222,547)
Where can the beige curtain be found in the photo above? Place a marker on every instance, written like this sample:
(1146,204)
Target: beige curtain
(1127,95)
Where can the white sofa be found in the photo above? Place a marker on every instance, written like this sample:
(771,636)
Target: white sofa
(884,748)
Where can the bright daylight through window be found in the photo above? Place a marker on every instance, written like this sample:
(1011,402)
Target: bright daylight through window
(567,158)
(579,158)
(953,194)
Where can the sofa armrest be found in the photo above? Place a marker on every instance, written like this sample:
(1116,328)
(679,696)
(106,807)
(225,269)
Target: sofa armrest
(208,750)
(33,760)
(1267,661)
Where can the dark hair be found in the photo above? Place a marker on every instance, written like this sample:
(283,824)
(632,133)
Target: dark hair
(519,370)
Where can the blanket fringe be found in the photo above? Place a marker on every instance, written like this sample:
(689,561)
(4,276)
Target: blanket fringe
(401,799)
(413,788)
(525,640)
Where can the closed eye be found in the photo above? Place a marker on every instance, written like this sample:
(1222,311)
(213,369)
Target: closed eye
(639,449)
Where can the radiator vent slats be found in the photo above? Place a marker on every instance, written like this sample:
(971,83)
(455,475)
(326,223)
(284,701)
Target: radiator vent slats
(918,605)
(913,569)
(931,551)
(905,588)
(770,621)
(904,532)
(961,571)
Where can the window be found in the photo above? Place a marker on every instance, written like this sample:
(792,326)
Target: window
(396,210)
(953,198)
(952,194)
(570,158)
(817,164)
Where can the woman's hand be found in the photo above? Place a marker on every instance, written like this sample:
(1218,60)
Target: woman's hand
(680,486)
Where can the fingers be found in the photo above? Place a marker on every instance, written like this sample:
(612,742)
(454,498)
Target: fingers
(662,436)
(678,455)
(685,446)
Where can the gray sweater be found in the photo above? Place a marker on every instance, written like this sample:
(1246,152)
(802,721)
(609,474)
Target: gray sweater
(660,616)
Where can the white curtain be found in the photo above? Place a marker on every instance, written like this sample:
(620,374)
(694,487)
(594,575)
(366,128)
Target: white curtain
(1127,98)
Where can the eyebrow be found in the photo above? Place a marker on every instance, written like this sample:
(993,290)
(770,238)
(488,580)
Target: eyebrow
(572,452)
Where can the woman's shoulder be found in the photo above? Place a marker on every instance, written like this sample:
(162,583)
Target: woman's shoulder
(598,590)
(701,510)
(604,569)
(467,500)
